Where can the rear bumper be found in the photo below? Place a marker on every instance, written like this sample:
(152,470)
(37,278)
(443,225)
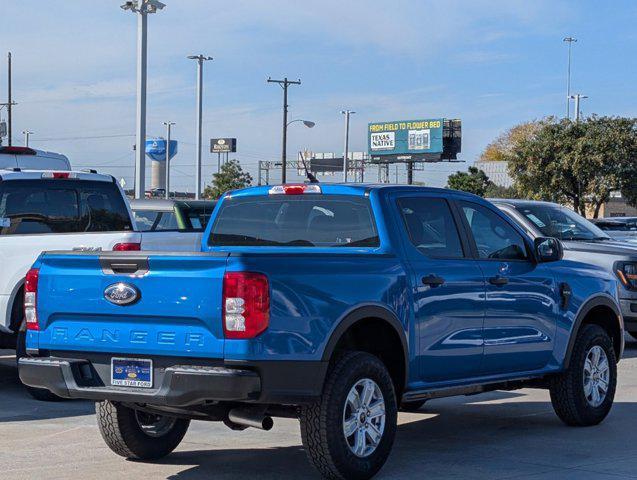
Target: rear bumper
(179,384)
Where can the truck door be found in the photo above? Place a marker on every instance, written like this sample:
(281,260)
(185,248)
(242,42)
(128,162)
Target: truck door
(448,289)
(520,320)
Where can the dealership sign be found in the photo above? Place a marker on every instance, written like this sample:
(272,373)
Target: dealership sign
(405,137)
(223,145)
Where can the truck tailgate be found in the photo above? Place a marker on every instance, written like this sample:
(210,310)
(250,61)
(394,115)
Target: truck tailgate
(176,312)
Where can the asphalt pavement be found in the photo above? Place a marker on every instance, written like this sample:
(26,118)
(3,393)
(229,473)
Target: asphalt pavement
(501,435)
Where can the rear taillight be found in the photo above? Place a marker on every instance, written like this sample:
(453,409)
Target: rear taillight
(127,247)
(30,299)
(246,304)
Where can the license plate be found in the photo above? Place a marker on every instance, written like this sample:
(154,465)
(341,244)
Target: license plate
(131,372)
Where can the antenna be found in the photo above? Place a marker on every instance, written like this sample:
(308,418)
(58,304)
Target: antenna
(308,174)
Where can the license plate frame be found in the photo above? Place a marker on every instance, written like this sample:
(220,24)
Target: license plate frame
(131,372)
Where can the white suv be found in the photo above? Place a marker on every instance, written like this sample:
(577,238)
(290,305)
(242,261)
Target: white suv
(53,210)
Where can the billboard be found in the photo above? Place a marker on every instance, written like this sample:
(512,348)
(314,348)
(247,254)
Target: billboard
(406,140)
(223,145)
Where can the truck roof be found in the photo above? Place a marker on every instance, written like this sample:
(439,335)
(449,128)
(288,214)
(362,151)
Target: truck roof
(17,174)
(352,189)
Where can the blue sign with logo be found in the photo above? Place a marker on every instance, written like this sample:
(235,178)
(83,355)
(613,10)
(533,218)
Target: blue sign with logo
(405,137)
(156,149)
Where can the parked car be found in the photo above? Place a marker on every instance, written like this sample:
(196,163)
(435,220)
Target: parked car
(27,158)
(620,228)
(583,242)
(172,225)
(336,304)
(46,210)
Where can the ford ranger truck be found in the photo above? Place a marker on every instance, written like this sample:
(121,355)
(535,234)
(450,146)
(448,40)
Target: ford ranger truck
(334,304)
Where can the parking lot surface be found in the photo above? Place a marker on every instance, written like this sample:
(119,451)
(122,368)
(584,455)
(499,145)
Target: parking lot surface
(502,435)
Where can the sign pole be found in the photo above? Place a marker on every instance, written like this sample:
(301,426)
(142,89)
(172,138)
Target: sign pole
(168,125)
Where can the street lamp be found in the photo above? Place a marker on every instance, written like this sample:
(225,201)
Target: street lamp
(577,97)
(168,128)
(141,8)
(307,123)
(200,59)
(570,41)
(26,134)
(347,114)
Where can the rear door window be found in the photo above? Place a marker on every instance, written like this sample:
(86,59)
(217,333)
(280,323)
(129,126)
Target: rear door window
(295,220)
(431,227)
(61,206)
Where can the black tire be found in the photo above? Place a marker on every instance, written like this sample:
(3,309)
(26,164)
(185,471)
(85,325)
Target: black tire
(322,423)
(412,406)
(567,389)
(41,394)
(121,429)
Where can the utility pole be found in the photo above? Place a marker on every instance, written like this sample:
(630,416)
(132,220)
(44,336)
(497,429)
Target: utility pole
(26,134)
(285,83)
(410,173)
(577,97)
(200,59)
(570,41)
(9,101)
(168,125)
(141,8)
(347,114)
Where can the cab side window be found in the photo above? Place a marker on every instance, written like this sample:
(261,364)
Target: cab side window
(495,238)
(431,227)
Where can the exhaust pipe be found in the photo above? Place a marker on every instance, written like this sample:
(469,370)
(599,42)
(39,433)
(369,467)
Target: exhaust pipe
(250,418)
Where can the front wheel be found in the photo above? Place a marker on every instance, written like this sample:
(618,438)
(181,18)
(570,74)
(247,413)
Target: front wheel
(349,432)
(583,395)
(138,435)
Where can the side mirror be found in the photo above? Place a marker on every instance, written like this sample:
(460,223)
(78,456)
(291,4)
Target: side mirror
(548,249)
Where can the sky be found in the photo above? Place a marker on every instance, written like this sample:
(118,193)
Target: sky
(490,63)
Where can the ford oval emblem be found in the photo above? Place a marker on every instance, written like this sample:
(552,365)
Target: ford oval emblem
(121,294)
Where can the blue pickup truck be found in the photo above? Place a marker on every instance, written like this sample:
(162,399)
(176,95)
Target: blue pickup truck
(335,304)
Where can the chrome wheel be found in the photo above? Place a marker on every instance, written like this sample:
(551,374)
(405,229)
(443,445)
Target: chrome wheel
(364,417)
(596,376)
(154,425)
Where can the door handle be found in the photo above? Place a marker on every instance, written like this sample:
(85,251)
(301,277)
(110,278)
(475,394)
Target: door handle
(498,280)
(433,280)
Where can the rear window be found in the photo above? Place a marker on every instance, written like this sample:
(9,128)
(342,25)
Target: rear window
(61,206)
(295,220)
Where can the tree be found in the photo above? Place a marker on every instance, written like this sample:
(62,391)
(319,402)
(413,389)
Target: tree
(230,177)
(577,162)
(497,191)
(472,181)
(501,149)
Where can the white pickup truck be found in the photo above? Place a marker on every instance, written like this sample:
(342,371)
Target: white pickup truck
(53,210)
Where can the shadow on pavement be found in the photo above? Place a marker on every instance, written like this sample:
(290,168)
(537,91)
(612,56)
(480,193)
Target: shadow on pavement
(17,405)
(467,437)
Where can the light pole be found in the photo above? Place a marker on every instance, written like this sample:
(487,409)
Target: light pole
(168,125)
(285,83)
(200,59)
(570,41)
(141,8)
(347,114)
(26,134)
(577,97)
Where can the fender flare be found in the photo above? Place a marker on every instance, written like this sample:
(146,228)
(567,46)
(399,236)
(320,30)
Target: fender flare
(600,300)
(363,312)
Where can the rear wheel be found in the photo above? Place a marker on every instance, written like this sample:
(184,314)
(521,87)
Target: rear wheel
(349,432)
(138,435)
(583,395)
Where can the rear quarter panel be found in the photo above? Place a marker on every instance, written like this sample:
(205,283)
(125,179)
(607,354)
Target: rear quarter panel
(312,293)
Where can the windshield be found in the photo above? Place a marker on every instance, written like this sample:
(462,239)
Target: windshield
(61,206)
(295,220)
(560,222)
